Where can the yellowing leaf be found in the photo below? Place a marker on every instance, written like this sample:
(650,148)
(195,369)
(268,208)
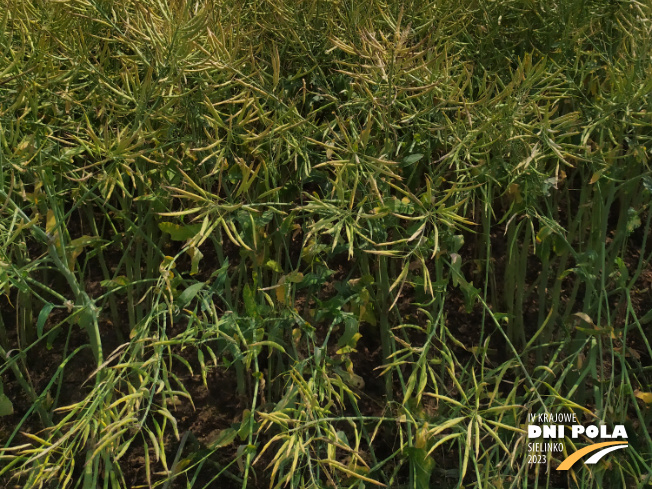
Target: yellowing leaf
(514,193)
(294,277)
(646,397)
(280,293)
(168,261)
(179,232)
(76,247)
(50,222)
(51,229)
(272,265)
(367,314)
(195,257)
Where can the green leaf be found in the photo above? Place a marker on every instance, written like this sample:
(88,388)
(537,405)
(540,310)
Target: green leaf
(272,265)
(179,232)
(595,331)
(633,220)
(351,331)
(189,294)
(349,378)
(271,344)
(42,317)
(559,245)
(456,243)
(245,426)
(119,281)
(224,438)
(220,276)
(423,465)
(543,233)
(81,242)
(6,407)
(52,336)
(264,219)
(470,294)
(412,159)
(646,318)
(249,302)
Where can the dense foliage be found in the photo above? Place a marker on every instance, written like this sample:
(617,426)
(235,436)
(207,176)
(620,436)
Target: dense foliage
(322,243)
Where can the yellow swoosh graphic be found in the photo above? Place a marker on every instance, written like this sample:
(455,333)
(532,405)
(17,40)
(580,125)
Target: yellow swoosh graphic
(568,463)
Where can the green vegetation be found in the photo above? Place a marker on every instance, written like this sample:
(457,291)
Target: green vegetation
(322,243)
